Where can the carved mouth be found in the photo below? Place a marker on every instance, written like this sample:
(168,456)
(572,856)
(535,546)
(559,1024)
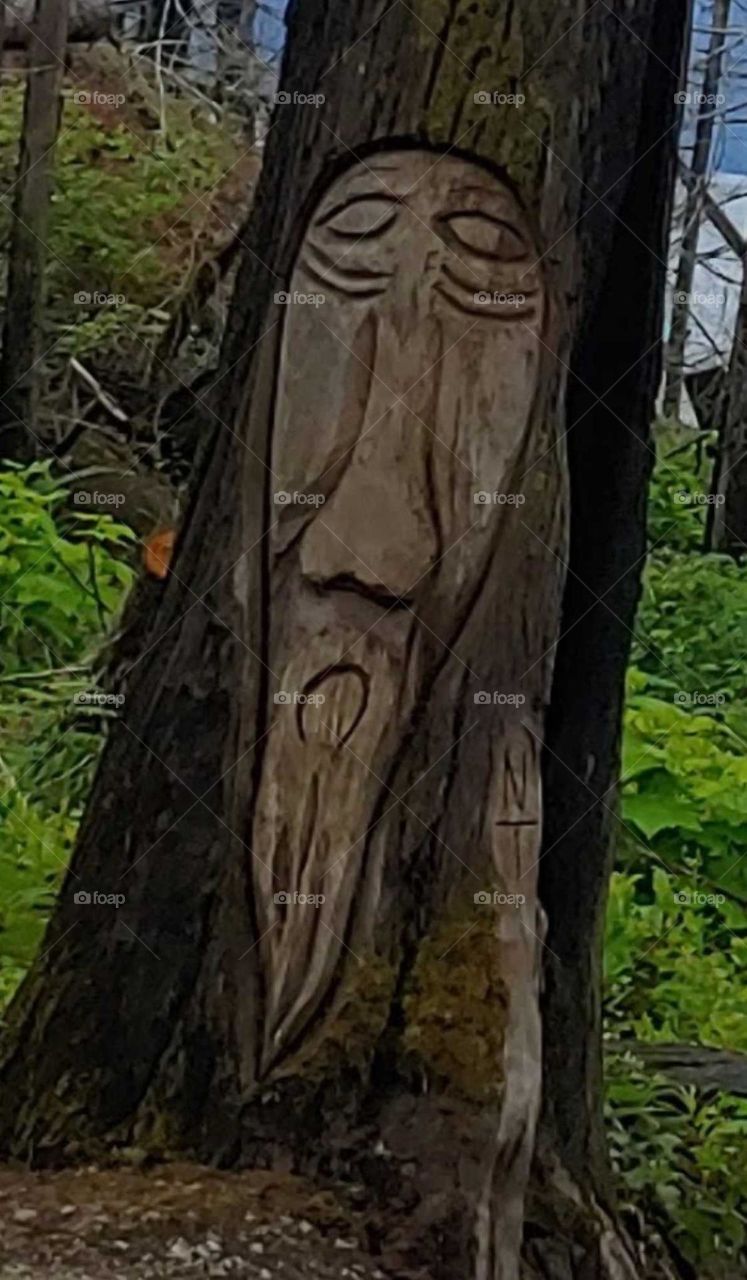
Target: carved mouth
(378,595)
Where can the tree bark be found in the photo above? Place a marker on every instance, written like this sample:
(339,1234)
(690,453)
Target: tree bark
(692,217)
(727,524)
(27,257)
(88,21)
(470,252)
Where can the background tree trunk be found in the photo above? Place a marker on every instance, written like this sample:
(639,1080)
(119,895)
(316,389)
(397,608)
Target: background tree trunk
(693,213)
(416,1067)
(728,518)
(27,254)
(88,20)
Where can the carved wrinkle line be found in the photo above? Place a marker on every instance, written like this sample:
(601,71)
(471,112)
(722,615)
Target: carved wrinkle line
(506,312)
(504,288)
(355,273)
(344,287)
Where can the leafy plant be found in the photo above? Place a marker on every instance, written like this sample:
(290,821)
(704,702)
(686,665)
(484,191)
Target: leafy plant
(676,941)
(63,574)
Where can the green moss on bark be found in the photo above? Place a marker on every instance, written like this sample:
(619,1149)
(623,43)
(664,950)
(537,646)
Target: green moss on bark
(348,1037)
(455,1008)
(484,62)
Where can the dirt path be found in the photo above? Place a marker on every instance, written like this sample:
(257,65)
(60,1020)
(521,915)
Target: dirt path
(181,1220)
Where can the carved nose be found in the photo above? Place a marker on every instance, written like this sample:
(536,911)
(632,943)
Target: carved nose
(409,307)
(378,532)
(375,534)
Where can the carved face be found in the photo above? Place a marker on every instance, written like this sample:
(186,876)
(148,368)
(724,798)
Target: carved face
(405,393)
(409,389)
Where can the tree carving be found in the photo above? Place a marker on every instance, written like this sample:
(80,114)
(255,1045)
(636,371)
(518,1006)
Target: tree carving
(403,400)
(366,697)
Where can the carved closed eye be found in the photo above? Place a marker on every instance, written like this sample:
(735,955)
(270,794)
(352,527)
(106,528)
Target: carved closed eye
(487,236)
(361,216)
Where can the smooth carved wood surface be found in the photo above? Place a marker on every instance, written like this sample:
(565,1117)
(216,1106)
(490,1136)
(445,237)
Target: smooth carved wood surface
(400,397)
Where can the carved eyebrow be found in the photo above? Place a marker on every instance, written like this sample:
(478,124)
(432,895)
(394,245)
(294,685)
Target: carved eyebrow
(348,203)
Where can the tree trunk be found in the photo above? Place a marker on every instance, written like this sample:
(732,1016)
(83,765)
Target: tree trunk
(27,256)
(88,20)
(170,20)
(728,515)
(346,690)
(692,217)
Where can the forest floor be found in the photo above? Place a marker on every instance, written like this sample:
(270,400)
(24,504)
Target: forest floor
(180,1220)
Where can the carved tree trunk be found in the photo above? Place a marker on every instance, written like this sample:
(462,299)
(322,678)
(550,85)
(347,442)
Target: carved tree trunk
(27,250)
(324,802)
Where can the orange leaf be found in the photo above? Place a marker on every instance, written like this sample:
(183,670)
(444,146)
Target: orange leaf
(158,552)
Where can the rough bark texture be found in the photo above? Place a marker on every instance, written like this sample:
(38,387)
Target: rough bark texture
(27,253)
(391,1034)
(694,207)
(89,20)
(728,525)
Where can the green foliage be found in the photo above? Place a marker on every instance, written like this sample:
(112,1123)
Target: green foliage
(131,207)
(673,976)
(119,191)
(683,468)
(63,573)
(673,965)
(685,787)
(676,942)
(691,626)
(58,579)
(680,1154)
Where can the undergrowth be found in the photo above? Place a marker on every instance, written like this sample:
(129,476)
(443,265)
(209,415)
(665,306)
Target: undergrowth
(676,943)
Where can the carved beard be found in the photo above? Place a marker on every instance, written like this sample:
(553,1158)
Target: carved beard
(402,397)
